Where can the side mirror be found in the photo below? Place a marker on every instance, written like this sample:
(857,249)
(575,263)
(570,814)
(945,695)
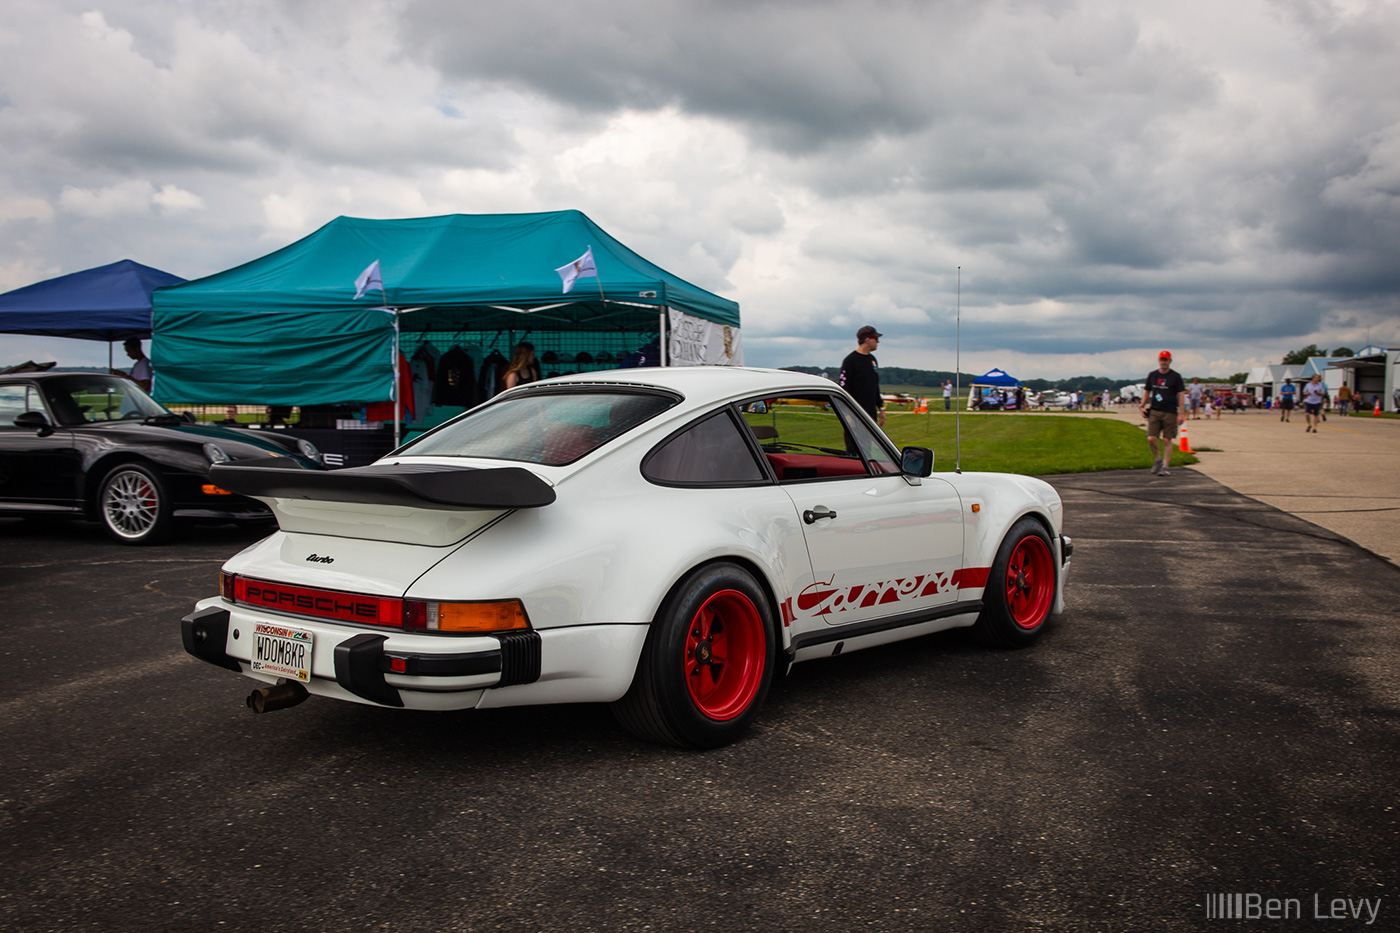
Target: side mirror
(189,417)
(917,461)
(36,421)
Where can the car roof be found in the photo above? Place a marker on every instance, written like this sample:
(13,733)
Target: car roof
(701,383)
(51,373)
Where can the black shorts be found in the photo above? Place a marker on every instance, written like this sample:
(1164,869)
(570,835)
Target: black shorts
(1286,404)
(1313,408)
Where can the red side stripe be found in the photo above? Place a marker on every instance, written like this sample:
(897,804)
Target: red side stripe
(972,578)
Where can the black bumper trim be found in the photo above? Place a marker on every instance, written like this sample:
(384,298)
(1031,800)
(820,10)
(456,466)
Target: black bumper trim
(205,633)
(443,665)
(361,663)
(1066,549)
(521,657)
(357,669)
(873,626)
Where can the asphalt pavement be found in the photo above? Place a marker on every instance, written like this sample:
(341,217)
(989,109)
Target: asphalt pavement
(1344,477)
(1217,712)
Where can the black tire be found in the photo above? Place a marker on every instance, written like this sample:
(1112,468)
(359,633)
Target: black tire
(1020,589)
(133,506)
(707,663)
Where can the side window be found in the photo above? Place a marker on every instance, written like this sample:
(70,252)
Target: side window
(866,442)
(710,453)
(12,404)
(814,436)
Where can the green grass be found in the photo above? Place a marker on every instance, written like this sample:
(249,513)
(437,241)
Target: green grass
(1029,443)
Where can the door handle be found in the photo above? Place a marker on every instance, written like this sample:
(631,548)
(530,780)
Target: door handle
(821,511)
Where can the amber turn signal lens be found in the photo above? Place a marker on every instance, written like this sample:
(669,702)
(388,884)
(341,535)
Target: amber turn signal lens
(211,490)
(481,617)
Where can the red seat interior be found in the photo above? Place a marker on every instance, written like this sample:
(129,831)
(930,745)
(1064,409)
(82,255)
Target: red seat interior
(569,442)
(808,466)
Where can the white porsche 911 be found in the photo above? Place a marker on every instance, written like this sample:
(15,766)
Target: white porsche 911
(663,540)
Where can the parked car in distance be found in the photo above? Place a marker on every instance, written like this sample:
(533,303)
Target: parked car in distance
(97,446)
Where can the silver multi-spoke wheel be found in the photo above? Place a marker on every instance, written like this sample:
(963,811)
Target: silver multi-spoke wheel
(133,504)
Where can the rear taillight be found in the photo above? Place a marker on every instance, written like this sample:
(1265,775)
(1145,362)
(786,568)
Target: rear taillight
(413,614)
(486,616)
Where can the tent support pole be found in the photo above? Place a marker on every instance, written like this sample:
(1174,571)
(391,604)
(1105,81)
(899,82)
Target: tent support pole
(662,332)
(394,381)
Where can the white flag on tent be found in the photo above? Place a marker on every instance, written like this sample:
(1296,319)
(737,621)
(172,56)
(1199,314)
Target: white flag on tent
(368,279)
(581,267)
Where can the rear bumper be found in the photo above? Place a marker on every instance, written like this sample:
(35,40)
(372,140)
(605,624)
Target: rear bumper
(365,664)
(572,664)
(1066,549)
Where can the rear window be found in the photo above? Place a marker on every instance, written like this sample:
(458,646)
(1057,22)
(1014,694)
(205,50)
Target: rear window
(546,427)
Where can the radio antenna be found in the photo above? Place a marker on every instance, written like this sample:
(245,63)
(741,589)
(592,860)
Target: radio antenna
(957,382)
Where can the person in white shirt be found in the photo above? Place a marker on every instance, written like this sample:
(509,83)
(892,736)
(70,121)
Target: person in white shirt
(1314,394)
(141,371)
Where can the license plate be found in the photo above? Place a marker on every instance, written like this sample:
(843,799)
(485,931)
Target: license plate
(285,652)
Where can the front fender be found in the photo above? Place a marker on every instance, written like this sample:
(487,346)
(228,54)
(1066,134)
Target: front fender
(1002,499)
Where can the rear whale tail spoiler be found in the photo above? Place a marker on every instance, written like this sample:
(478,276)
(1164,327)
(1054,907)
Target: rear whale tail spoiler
(419,485)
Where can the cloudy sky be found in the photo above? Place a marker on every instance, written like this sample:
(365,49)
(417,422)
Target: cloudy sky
(1217,177)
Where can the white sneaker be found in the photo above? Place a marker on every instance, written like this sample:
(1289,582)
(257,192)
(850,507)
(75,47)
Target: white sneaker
(1156,466)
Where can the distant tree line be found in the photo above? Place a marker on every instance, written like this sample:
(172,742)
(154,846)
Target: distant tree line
(934,379)
(1302,356)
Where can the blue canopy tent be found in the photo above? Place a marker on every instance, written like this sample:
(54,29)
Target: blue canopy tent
(992,379)
(108,303)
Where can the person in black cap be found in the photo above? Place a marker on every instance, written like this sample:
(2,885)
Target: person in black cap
(860,373)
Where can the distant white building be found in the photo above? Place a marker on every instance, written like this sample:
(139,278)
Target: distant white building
(1264,381)
(1373,374)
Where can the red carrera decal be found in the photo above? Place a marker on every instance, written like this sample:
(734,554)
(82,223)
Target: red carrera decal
(825,597)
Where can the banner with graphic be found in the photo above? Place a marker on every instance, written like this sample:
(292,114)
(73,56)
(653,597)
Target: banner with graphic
(694,341)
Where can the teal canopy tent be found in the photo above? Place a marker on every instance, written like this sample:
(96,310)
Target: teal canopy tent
(287,329)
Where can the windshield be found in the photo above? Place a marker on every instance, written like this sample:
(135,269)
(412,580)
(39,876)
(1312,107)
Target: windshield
(547,427)
(79,399)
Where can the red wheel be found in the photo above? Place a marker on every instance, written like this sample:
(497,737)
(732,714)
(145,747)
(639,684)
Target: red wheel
(1030,582)
(707,661)
(1020,588)
(724,655)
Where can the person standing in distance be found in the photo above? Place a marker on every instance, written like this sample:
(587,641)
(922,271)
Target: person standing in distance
(1286,394)
(1314,396)
(1164,404)
(947,395)
(141,372)
(860,373)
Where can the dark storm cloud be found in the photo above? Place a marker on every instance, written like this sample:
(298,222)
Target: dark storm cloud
(799,75)
(1111,176)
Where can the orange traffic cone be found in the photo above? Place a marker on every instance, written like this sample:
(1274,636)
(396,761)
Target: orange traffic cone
(1378,406)
(1185,442)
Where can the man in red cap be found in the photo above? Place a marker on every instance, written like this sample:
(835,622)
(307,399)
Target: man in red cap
(860,374)
(1163,404)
